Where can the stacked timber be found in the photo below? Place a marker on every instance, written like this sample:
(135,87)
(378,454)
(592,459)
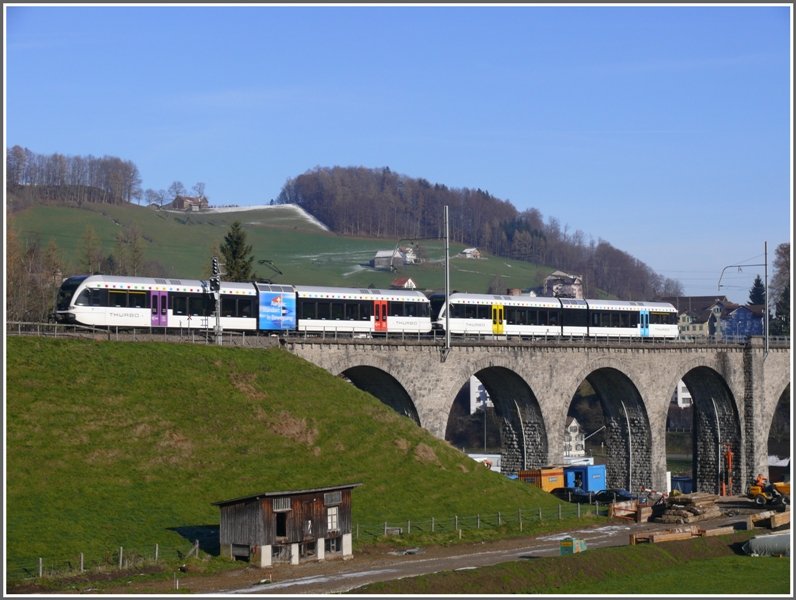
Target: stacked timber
(688,508)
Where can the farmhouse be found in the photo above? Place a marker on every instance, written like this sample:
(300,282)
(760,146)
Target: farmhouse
(288,526)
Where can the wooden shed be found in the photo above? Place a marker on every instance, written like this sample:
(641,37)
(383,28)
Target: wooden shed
(288,526)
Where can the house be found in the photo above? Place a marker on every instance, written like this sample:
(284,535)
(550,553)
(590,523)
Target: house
(574,438)
(403,283)
(562,285)
(470,253)
(288,526)
(387,260)
(716,317)
(189,203)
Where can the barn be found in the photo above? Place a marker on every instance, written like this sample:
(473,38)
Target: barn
(288,526)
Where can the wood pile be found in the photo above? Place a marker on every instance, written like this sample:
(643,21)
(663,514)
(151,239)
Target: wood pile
(688,508)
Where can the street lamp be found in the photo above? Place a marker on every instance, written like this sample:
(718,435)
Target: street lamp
(765,284)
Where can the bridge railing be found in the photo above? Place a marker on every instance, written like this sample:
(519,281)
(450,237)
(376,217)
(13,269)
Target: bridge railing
(333,335)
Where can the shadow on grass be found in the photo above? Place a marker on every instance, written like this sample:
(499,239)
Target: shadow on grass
(206,535)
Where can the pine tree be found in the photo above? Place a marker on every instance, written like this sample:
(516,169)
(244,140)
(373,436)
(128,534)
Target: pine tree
(780,324)
(237,256)
(757,295)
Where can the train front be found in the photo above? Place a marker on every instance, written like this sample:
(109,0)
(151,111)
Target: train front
(64,302)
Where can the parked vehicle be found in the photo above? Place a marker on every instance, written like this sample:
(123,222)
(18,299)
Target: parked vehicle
(571,494)
(613,495)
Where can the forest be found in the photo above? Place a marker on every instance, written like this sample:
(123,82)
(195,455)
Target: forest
(365,202)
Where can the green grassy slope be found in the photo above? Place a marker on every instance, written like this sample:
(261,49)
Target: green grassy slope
(113,443)
(305,253)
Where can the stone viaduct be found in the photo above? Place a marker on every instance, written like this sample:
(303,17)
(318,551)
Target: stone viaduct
(735,389)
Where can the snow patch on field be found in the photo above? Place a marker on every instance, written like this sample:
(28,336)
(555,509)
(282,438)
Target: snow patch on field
(300,212)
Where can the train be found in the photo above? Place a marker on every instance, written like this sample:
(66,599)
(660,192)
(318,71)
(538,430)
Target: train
(124,302)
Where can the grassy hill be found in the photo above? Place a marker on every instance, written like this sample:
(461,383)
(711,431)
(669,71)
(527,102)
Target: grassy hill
(307,254)
(127,444)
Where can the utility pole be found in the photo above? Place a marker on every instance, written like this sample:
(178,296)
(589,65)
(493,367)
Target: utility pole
(447,347)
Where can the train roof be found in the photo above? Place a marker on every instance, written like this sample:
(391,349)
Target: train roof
(316,291)
(541,301)
(630,305)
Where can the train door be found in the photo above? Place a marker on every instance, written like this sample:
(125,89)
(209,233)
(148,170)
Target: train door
(644,323)
(159,301)
(380,316)
(497,319)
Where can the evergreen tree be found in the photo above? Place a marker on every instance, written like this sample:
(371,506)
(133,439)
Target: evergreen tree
(237,257)
(780,324)
(757,295)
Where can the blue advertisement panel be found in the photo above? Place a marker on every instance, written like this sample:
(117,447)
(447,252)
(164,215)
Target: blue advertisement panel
(277,311)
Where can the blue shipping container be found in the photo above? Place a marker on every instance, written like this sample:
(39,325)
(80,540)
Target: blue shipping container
(591,478)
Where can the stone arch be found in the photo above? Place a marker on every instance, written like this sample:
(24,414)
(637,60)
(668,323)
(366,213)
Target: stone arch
(383,386)
(716,429)
(524,438)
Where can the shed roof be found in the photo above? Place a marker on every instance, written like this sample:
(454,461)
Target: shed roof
(287,493)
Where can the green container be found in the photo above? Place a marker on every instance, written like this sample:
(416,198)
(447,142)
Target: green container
(570,545)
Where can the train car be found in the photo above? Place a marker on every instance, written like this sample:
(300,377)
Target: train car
(531,316)
(361,311)
(117,301)
(610,318)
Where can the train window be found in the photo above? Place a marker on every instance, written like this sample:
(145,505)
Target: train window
(246,307)
(574,317)
(352,311)
(117,299)
(179,305)
(197,306)
(338,311)
(228,308)
(84,299)
(411,309)
(307,309)
(323,309)
(552,317)
(99,297)
(396,309)
(470,311)
(365,310)
(484,312)
(138,299)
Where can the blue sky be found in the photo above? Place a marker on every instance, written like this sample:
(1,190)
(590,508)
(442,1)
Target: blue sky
(665,131)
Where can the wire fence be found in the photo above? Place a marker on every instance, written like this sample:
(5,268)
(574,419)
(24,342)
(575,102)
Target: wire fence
(520,520)
(118,559)
(122,558)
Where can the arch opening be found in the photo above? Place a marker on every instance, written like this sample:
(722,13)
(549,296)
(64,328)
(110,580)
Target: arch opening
(385,387)
(716,434)
(507,420)
(779,440)
(611,412)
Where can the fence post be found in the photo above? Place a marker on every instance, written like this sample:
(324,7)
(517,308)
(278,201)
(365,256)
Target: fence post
(519,515)
(559,512)
(578,510)
(385,528)
(432,524)
(41,567)
(121,553)
(456,523)
(478,521)
(499,522)
(540,515)
(81,562)
(156,552)
(408,527)
(357,530)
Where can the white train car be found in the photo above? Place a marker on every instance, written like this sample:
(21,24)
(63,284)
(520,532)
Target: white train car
(493,315)
(128,302)
(611,318)
(361,311)
(531,316)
